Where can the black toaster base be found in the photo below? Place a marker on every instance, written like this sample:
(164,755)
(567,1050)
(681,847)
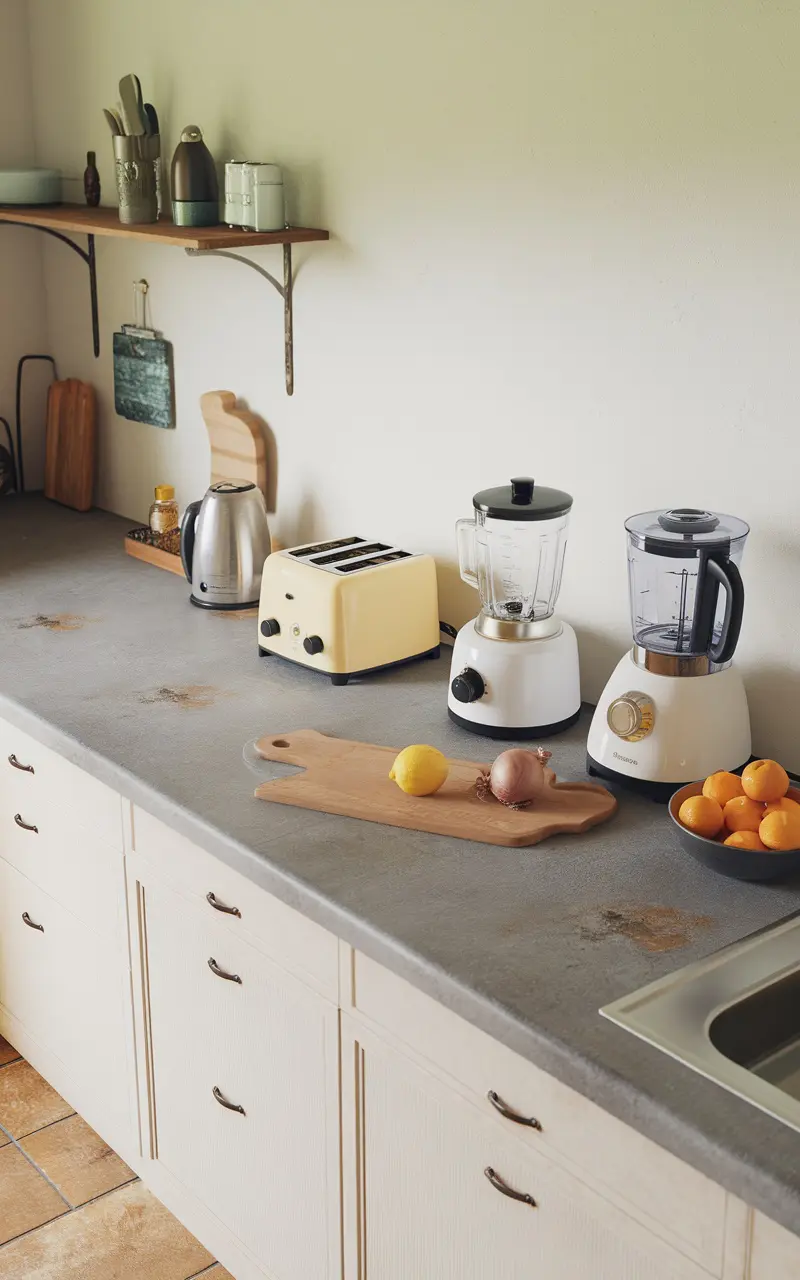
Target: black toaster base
(342,677)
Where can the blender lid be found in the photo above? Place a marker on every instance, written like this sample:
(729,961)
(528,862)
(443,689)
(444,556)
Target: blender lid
(683,530)
(522,499)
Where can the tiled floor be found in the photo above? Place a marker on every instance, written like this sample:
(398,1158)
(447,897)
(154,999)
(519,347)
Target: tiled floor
(70,1209)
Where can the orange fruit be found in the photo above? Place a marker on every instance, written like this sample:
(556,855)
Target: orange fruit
(746,840)
(765,780)
(701,814)
(722,787)
(781,830)
(785,804)
(743,814)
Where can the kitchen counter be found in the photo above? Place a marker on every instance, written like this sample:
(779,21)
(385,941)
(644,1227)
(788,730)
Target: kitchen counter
(104,660)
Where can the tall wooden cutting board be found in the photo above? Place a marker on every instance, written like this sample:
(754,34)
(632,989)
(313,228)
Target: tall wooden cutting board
(238,450)
(352,779)
(70,443)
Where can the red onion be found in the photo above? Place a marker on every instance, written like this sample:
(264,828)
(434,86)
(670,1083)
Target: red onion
(516,777)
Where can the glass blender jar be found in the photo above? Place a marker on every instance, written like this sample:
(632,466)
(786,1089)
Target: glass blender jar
(686,592)
(515,666)
(675,709)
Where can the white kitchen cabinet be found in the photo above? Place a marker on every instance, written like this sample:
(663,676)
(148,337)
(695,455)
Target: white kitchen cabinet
(774,1253)
(65,984)
(244,1066)
(419,1202)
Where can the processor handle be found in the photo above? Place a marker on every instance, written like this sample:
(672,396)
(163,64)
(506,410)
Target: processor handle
(465,539)
(729,578)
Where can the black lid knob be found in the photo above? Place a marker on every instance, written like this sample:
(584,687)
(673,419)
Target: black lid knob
(270,627)
(468,686)
(313,644)
(521,490)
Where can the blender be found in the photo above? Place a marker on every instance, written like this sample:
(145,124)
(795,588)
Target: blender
(675,709)
(514,672)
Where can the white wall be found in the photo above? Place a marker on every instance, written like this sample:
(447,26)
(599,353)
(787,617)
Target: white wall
(565,242)
(22,310)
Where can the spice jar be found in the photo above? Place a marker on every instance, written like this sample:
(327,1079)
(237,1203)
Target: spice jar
(164,511)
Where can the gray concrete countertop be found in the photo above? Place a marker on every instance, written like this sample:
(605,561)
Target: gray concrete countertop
(103,659)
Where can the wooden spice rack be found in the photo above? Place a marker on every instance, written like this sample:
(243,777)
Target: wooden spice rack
(220,241)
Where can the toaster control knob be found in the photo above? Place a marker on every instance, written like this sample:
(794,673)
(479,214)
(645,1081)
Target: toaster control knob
(270,627)
(313,644)
(468,686)
(632,716)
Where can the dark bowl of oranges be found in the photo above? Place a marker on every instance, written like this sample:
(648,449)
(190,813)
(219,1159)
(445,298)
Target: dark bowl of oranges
(747,827)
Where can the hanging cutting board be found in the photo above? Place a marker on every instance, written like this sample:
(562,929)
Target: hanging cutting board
(238,451)
(70,443)
(143,382)
(352,779)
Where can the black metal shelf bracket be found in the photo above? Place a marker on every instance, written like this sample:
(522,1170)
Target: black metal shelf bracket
(88,256)
(285,290)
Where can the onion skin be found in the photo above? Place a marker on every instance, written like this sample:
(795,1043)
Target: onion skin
(517,777)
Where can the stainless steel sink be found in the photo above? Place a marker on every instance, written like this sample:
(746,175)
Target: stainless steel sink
(734,1017)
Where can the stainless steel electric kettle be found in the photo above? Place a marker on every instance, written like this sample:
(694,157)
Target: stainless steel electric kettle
(224,542)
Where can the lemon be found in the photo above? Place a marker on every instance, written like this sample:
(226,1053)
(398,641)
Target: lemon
(419,770)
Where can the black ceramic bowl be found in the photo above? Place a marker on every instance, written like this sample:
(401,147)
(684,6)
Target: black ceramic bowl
(742,864)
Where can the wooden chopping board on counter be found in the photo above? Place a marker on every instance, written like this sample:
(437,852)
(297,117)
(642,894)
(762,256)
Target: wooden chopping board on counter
(352,779)
(238,449)
(70,443)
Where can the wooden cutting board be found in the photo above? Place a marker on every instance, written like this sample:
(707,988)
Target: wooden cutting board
(70,443)
(238,450)
(352,779)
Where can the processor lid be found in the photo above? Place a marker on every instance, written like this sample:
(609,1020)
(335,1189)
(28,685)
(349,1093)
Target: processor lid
(684,530)
(522,499)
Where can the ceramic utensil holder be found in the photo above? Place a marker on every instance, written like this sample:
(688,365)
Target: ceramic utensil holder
(137,160)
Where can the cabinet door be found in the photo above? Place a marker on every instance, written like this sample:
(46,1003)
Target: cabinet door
(66,985)
(267,1163)
(419,1202)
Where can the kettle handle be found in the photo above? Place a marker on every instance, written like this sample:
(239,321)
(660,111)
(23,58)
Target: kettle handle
(187,537)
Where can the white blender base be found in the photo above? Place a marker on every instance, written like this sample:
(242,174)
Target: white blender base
(701,724)
(532,686)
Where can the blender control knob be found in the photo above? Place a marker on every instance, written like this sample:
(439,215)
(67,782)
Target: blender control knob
(313,644)
(270,627)
(632,716)
(468,686)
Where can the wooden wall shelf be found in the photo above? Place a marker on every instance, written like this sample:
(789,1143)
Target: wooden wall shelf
(59,220)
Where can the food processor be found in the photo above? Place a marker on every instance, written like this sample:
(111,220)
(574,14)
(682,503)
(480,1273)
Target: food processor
(515,672)
(675,709)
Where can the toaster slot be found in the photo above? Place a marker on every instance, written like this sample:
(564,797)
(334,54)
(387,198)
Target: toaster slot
(302,552)
(352,554)
(354,565)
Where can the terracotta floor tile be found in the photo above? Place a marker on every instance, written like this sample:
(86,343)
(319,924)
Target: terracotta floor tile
(216,1273)
(126,1235)
(27,1102)
(77,1160)
(7,1052)
(26,1199)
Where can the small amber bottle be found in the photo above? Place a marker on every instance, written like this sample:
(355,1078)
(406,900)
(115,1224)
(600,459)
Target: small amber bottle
(164,511)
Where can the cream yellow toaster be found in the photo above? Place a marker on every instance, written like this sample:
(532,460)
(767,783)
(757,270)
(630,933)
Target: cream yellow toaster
(348,606)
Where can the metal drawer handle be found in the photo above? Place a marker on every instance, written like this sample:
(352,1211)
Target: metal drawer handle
(220,906)
(499,1105)
(223,1102)
(26,826)
(26,768)
(32,923)
(229,977)
(503,1187)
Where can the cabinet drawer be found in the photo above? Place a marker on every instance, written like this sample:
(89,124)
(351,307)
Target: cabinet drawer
(673,1198)
(295,942)
(245,1080)
(441,1191)
(71,863)
(66,986)
(35,780)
